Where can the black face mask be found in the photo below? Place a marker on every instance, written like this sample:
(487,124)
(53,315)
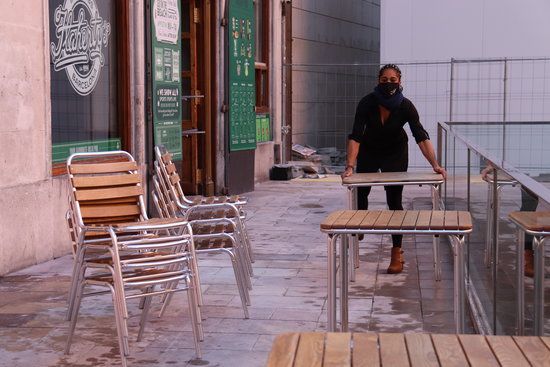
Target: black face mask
(388,90)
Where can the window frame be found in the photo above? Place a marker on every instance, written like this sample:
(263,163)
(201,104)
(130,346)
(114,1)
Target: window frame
(122,16)
(261,67)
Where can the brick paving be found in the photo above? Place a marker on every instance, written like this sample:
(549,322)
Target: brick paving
(289,292)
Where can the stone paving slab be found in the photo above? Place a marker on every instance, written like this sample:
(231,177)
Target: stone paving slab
(289,292)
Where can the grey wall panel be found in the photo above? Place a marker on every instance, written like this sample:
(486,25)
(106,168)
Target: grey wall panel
(324,97)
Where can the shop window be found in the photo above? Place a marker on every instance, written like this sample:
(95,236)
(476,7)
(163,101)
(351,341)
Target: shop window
(88,82)
(261,12)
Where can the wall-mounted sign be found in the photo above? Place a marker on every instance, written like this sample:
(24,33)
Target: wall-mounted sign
(263,132)
(80,36)
(242,85)
(166,58)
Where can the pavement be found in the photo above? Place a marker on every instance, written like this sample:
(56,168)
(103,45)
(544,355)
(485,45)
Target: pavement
(289,292)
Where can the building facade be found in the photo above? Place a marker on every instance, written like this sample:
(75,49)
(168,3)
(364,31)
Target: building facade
(203,77)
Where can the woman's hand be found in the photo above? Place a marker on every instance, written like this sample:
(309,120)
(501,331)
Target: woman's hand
(439,169)
(486,171)
(348,172)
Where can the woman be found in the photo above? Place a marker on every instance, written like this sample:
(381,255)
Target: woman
(379,143)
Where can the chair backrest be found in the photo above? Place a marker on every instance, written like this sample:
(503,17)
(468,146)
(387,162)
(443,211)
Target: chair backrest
(105,193)
(168,176)
(166,208)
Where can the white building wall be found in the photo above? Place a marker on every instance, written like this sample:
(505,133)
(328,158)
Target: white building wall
(32,227)
(32,202)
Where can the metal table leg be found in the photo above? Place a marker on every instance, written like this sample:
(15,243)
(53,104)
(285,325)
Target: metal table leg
(354,241)
(538,246)
(344,283)
(436,239)
(459,283)
(489,232)
(331,275)
(520,307)
(437,257)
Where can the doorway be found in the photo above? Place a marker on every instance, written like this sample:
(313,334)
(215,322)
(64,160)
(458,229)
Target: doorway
(196,167)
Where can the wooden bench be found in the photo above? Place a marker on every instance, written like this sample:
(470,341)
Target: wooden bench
(308,349)
(343,223)
(538,225)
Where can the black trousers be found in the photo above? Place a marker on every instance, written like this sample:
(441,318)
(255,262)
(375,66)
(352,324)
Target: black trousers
(370,162)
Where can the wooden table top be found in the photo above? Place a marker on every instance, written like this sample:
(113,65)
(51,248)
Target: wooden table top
(532,221)
(383,349)
(398,220)
(389,177)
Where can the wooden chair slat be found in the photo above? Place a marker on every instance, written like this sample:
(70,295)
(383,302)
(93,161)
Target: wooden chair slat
(437,220)
(166,157)
(448,349)
(365,350)
(423,220)
(409,222)
(103,181)
(534,349)
(101,211)
(130,199)
(234,198)
(170,168)
(478,351)
(393,351)
(421,350)
(396,219)
(283,350)
(338,351)
(101,221)
(370,219)
(174,179)
(357,218)
(329,221)
(506,351)
(451,219)
(310,351)
(464,220)
(102,167)
(383,219)
(110,193)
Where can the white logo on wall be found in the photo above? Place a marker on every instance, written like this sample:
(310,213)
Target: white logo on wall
(167,20)
(81,34)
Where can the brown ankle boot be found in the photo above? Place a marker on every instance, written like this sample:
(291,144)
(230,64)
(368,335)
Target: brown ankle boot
(529,270)
(396,264)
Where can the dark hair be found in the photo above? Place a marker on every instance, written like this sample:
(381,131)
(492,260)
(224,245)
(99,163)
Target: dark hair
(390,66)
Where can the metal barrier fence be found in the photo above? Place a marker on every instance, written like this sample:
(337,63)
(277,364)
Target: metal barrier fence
(324,97)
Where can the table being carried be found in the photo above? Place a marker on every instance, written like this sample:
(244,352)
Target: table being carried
(431,179)
(455,224)
(434,180)
(383,349)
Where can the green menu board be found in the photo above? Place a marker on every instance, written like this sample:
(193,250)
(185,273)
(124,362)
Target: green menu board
(166,58)
(242,85)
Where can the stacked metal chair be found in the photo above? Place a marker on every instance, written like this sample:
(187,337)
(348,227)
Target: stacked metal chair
(217,223)
(118,248)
